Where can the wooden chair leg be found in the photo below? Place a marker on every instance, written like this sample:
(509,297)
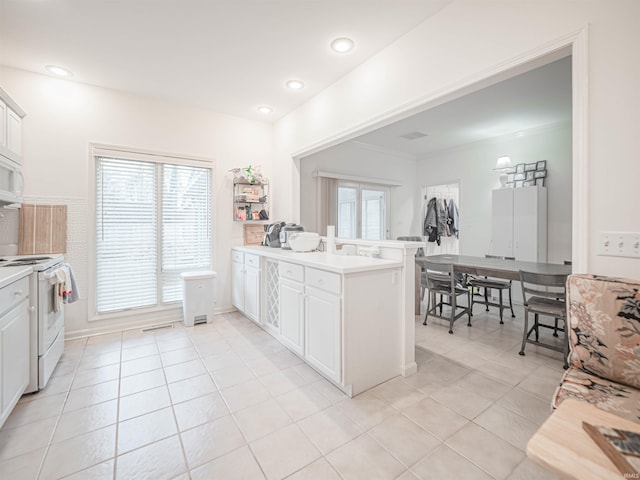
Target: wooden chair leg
(469,312)
(486,298)
(555,328)
(501,307)
(535,323)
(431,295)
(452,301)
(513,315)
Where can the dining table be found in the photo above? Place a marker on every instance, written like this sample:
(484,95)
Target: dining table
(488,267)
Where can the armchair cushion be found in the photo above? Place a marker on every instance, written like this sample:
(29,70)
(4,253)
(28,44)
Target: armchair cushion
(604,321)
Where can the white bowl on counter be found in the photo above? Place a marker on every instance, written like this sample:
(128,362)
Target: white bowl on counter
(304,241)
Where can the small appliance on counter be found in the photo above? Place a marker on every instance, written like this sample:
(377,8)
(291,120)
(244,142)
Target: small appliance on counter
(286,231)
(272,235)
(304,241)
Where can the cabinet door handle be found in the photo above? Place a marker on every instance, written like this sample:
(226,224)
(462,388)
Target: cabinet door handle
(17,293)
(320,281)
(32,308)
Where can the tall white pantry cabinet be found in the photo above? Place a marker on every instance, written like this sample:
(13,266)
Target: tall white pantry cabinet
(519,223)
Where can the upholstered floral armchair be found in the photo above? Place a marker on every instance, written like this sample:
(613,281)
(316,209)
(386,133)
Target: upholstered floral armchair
(604,344)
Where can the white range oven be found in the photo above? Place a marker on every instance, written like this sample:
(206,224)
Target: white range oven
(46,316)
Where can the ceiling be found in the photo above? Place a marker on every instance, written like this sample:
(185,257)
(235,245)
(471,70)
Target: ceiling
(229,56)
(535,99)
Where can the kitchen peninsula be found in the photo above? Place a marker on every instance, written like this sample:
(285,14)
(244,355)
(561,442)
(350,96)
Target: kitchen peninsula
(349,317)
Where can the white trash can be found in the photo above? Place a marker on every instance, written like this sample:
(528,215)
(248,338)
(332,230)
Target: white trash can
(198,296)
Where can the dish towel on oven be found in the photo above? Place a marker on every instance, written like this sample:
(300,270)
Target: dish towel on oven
(72,294)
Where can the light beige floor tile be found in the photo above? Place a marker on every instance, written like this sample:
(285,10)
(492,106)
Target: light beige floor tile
(141,382)
(542,382)
(145,429)
(246,394)
(102,471)
(213,347)
(435,418)
(404,439)
(478,384)
(509,426)
(408,475)
(328,391)
(87,419)
(23,467)
(168,345)
(364,458)
(330,429)
(425,380)
(460,401)
(25,438)
(137,339)
(37,409)
(529,470)
(320,469)
(444,463)
(398,393)
(143,402)
(140,365)
(237,465)
(510,373)
(228,377)
(79,453)
(211,440)
(284,452)
(162,460)
(529,406)
(199,410)
(105,338)
(302,402)
(261,419)
(283,381)
(221,361)
(488,451)
(59,384)
(139,352)
(85,396)
(93,376)
(262,366)
(191,388)
(99,360)
(366,410)
(184,370)
(178,356)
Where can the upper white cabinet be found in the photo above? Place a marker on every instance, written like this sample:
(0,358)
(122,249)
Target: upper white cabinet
(10,128)
(519,223)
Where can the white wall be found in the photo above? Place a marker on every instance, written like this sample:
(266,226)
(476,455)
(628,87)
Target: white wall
(355,159)
(63,117)
(462,42)
(473,165)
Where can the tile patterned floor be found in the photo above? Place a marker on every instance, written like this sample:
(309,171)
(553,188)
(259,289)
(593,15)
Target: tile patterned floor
(227,401)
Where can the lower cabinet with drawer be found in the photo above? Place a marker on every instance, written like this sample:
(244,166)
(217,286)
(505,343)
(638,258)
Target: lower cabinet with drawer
(14,345)
(245,284)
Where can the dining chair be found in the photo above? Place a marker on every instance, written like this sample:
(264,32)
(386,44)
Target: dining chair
(441,280)
(544,294)
(487,284)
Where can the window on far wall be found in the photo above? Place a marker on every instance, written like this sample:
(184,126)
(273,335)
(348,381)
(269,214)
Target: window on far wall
(153,221)
(362,211)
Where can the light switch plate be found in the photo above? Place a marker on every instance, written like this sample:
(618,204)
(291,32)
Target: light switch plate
(618,244)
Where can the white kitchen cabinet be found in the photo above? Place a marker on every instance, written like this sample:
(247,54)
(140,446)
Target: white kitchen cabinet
(10,128)
(292,314)
(14,345)
(245,284)
(519,223)
(322,326)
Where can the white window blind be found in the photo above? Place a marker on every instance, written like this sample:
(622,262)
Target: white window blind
(186,225)
(153,222)
(126,236)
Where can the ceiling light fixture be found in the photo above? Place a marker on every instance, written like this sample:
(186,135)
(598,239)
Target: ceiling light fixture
(59,71)
(264,109)
(342,45)
(295,84)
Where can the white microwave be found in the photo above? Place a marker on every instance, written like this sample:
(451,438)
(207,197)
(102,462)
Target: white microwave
(11,182)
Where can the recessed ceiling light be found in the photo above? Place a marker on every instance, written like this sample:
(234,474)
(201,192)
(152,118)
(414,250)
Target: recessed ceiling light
(342,45)
(264,109)
(59,71)
(295,84)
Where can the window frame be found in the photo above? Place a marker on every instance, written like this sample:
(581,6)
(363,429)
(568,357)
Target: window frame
(360,186)
(161,311)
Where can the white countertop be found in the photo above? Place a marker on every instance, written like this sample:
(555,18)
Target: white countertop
(9,275)
(336,263)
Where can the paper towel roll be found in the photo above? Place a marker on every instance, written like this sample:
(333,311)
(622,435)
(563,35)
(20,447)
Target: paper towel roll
(331,239)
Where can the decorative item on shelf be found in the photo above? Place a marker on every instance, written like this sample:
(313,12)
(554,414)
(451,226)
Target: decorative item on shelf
(502,165)
(250,175)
